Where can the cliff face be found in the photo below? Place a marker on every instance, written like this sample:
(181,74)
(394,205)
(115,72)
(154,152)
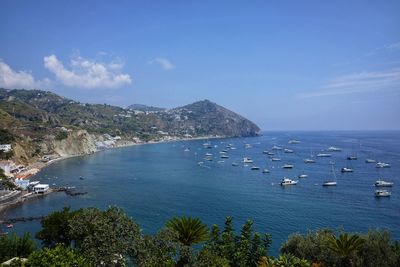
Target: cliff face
(77,143)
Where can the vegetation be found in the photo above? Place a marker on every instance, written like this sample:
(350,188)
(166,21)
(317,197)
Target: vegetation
(92,237)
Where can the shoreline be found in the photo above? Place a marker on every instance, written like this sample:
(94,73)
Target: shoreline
(39,165)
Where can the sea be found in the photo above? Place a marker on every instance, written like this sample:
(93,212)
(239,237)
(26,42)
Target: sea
(155,182)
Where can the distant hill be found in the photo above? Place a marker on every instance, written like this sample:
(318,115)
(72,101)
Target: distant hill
(144,108)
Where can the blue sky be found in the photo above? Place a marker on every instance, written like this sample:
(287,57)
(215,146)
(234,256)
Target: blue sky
(287,65)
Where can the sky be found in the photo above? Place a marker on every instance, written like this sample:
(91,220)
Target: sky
(286,65)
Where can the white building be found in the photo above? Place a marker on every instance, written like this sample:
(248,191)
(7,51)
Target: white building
(5,147)
(41,188)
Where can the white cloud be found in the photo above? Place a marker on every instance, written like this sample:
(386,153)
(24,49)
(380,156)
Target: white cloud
(163,62)
(359,82)
(394,46)
(22,79)
(86,73)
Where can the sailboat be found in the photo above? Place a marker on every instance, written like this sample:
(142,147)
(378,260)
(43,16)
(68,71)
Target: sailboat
(331,182)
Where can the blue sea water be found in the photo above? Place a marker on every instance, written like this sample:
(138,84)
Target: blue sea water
(153,183)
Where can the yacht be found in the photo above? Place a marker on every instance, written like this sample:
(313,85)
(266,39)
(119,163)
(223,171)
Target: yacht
(255,168)
(270,153)
(265,171)
(382,193)
(382,165)
(331,182)
(334,149)
(265,152)
(288,150)
(382,183)
(370,161)
(247,146)
(208,154)
(287,181)
(303,175)
(324,155)
(294,141)
(247,160)
(309,161)
(276,148)
(352,158)
(224,156)
(275,159)
(345,169)
(186,150)
(288,166)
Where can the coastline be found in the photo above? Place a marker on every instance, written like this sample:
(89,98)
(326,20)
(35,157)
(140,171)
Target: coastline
(39,166)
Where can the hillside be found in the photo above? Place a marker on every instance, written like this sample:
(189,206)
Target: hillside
(39,119)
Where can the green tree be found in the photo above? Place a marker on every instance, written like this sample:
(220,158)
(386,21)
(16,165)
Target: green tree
(106,238)
(345,246)
(14,246)
(56,229)
(189,231)
(288,260)
(60,255)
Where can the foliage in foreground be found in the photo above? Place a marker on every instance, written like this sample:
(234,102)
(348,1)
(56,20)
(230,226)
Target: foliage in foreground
(92,237)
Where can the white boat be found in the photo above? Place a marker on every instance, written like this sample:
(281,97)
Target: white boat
(275,159)
(247,146)
(287,181)
(186,150)
(207,145)
(286,150)
(265,152)
(370,161)
(309,161)
(382,193)
(294,141)
(276,148)
(247,160)
(208,154)
(224,156)
(382,183)
(270,153)
(255,168)
(334,149)
(352,157)
(288,166)
(324,155)
(331,182)
(265,171)
(303,175)
(234,164)
(382,165)
(345,169)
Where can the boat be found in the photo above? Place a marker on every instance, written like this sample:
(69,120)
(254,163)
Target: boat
(331,182)
(324,155)
(207,145)
(81,178)
(208,158)
(370,161)
(288,150)
(208,154)
(247,146)
(255,168)
(275,159)
(10,225)
(265,152)
(247,160)
(234,164)
(382,165)
(382,183)
(186,150)
(288,166)
(303,175)
(345,169)
(334,149)
(287,181)
(382,193)
(276,148)
(224,156)
(265,171)
(294,141)
(270,153)
(352,157)
(309,161)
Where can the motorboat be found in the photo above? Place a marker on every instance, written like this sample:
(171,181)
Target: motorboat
(224,156)
(345,169)
(294,141)
(234,164)
(303,175)
(382,193)
(334,149)
(288,166)
(329,183)
(247,160)
(352,157)
(309,161)
(255,168)
(370,161)
(270,153)
(208,154)
(276,148)
(382,165)
(247,146)
(186,150)
(275,159)
(382,183)
(287,181)
(286,150)
(265,171)
(324,155)
(265,152)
